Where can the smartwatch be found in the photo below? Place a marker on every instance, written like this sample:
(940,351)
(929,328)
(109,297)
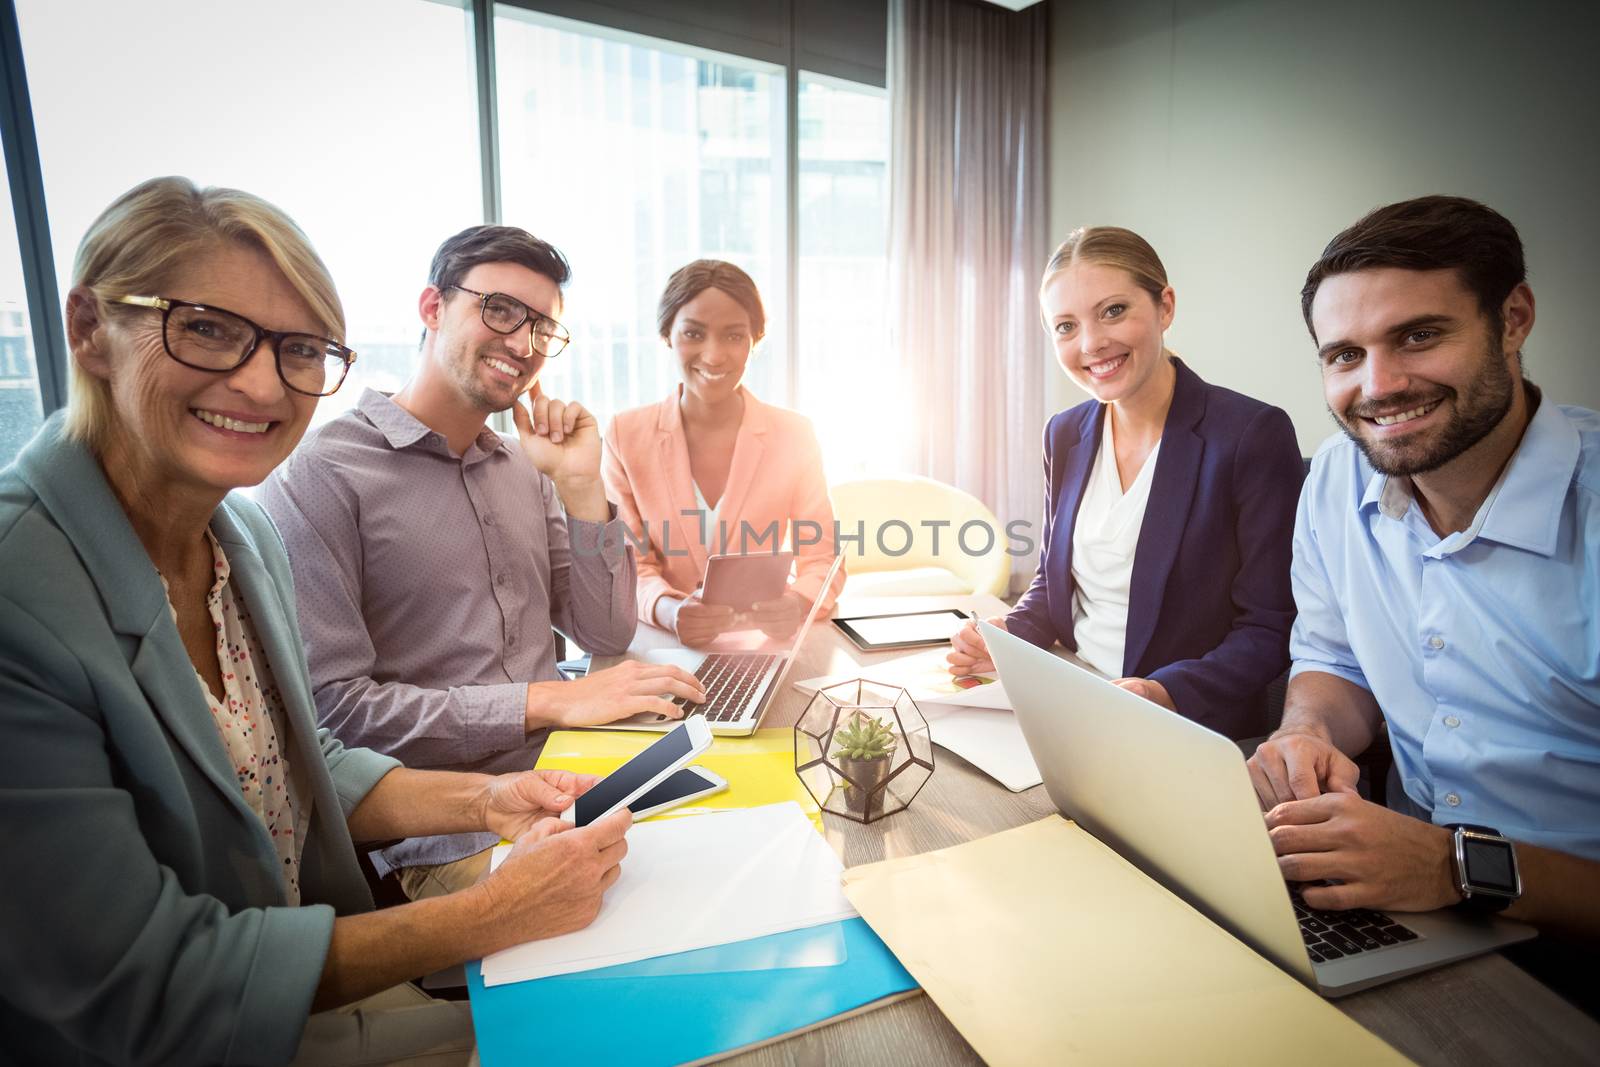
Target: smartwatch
(1485,868)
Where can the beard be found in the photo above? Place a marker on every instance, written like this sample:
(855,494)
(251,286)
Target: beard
(489,399)
(1473,414)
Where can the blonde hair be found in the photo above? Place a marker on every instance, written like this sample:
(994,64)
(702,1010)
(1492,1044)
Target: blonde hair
(148,235)
(1110,246)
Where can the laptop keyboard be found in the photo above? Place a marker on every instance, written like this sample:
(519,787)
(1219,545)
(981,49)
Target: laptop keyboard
(729,679)
(1332,935)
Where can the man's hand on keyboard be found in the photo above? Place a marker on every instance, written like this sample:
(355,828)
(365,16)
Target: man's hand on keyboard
(629,688)
(1384,859)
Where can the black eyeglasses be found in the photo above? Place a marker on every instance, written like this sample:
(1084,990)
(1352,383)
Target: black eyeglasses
(213,339)
(506,314)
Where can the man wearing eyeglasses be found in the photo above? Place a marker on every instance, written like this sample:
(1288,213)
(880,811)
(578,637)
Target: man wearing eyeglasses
(432,557)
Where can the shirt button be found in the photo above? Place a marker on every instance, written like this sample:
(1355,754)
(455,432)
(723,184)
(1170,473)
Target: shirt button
(499,579)
(1451,721)
(488,520)
(1436,642)
(511,640)
(1451,799)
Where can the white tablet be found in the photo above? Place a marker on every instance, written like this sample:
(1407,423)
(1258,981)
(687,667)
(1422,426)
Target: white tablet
(881,633)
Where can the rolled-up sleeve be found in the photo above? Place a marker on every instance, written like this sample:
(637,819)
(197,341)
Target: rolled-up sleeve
(592,578)
(1318,641)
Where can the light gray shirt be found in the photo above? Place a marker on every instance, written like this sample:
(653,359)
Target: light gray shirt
(427,586)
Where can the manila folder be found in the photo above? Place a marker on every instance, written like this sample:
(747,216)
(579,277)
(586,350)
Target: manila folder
(1042,945)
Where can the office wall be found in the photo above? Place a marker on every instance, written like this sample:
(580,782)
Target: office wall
(1239,135)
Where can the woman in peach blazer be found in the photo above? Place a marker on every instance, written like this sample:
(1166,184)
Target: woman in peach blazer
(711,447)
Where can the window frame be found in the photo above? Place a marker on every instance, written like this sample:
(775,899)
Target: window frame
(795,52)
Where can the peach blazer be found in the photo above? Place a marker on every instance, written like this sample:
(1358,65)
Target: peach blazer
(776,476)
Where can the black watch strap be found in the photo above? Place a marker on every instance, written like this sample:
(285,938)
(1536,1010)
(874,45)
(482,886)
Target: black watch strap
(1479,899)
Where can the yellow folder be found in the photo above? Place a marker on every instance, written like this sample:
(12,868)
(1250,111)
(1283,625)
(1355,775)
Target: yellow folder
(1042,945)
(759,768)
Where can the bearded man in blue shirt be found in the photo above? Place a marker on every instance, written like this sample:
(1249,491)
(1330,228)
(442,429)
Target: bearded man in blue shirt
(1445,573)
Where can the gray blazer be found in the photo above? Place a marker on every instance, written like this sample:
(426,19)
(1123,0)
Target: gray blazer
(142,914)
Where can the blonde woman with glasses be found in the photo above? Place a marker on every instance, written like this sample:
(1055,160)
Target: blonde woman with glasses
(183,884)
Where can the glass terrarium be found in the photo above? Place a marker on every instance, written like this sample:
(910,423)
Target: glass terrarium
(862,749)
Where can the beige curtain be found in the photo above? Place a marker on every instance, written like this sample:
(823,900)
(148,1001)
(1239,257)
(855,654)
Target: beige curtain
(967,242)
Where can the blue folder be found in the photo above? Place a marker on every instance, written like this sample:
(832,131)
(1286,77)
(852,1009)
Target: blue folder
(715,1000)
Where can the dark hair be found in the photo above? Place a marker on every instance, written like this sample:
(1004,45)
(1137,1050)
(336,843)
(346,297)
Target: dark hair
(688,282)
(1429,233)
(495,244)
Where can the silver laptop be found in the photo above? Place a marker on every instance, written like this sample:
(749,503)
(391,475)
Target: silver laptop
(740,686)
(1175,799)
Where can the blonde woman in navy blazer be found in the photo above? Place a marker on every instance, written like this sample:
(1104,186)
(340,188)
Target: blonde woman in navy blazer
(1208,602)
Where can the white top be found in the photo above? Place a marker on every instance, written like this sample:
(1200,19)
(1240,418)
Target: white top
(1103,543)
(711,534)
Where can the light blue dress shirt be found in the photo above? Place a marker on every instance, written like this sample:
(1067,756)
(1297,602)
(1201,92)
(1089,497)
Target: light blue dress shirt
(1482,647)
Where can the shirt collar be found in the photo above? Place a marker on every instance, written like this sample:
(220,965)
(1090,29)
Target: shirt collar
(403,429)
(1523,510)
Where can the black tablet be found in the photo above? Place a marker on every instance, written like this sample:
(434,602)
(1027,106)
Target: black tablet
(916,629)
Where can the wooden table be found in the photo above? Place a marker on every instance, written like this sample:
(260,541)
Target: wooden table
(1485,1010)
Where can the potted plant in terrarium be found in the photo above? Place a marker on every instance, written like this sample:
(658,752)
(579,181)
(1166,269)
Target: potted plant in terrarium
(863,746)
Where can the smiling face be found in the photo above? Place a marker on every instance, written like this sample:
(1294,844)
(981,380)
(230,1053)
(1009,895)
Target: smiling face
(486,370)
(1412,369)
(182,427)
(711,337)
(1106,329)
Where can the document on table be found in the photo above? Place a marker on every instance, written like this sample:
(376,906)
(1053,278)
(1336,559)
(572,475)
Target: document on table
(926,677)
(987,738)
(691,883)
(1042,945)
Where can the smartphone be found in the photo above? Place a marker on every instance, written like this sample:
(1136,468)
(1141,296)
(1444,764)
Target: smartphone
(691,783)
(642,773)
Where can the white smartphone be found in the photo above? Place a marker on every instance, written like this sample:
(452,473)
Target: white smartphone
(691,783)
(641,773)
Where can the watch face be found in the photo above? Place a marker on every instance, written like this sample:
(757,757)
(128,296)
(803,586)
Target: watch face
(1489,866)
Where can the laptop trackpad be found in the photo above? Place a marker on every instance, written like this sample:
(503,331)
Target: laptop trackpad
(687,658)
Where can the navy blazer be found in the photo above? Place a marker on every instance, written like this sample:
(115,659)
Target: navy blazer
(1210,606)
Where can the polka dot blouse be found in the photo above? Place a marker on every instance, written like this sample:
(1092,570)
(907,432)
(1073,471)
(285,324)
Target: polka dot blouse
(249,718)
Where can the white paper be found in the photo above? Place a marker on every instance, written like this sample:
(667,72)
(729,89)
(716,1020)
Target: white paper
(926,676)
(987,738)
(691,883)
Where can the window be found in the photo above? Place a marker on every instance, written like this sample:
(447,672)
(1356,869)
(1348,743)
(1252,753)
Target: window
(634,157)
(843,292)
(20,412)
(355,118)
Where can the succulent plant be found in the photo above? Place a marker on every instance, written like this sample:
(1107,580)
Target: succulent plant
(864,737)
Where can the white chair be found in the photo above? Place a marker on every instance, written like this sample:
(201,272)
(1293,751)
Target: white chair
(886,508)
